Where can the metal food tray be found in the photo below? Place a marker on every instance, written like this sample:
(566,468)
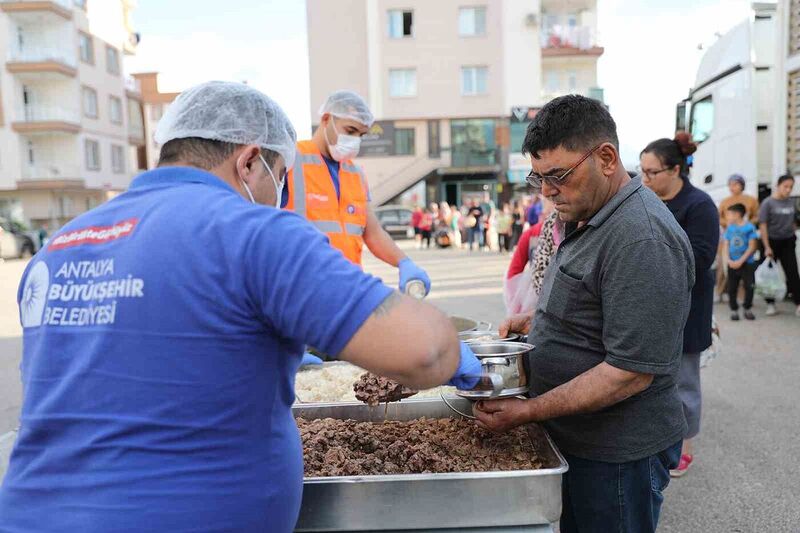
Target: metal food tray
(428,501)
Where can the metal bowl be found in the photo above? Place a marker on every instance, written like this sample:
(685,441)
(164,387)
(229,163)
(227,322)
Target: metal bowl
(463,324)
(506,359)
(485,335)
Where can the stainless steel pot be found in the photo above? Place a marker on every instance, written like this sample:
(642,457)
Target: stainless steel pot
(485,335)
(505,359)
(463,324)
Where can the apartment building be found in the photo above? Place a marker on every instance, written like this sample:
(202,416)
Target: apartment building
(71,128)
(155,103)
(452,84)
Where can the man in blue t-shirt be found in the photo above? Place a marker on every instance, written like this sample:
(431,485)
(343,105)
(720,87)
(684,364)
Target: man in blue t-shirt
(163,331)
(741,242)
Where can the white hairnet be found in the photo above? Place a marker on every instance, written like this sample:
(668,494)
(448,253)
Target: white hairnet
(347,104)
(229,112)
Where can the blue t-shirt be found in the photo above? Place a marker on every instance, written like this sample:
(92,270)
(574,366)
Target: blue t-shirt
(162,334)
(738,238)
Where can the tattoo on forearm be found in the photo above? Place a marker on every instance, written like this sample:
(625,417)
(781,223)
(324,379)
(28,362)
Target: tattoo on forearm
(388,304)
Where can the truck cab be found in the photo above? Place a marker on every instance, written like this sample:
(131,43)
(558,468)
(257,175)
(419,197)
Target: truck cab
(730,111)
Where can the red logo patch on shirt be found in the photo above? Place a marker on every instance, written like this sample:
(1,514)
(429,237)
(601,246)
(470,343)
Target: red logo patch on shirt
(93,235)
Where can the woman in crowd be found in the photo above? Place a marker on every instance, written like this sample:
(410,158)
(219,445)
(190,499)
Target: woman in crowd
(504,223)
(536,247)
(416,220)
(426,226)
(455,226)
(665,170)
(778,224)
(518,216)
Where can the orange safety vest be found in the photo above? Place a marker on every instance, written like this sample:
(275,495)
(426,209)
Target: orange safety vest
(313,196)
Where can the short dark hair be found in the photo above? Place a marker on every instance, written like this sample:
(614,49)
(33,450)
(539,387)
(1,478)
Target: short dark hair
(203,153)
(738,208)
(573,122)
(785,177)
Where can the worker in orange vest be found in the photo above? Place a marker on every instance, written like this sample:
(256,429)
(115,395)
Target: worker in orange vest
(328,189)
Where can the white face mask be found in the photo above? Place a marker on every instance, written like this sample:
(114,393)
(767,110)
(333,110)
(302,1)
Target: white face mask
(278,185)
(346,147)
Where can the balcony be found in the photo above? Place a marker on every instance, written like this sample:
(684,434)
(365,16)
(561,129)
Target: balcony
(33,10)
(39,119)
(463,157)
(595,93)
(51,171)
(133,88)
(560,41)
(42,62)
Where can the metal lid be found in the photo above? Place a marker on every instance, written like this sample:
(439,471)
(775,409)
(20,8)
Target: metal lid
(501,349)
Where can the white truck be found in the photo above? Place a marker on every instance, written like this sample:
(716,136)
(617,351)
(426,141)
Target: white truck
(731,109)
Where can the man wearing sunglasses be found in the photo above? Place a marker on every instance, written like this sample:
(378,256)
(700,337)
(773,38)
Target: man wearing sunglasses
(607,328)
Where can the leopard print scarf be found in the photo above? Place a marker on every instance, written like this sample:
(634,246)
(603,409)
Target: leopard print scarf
(545,250)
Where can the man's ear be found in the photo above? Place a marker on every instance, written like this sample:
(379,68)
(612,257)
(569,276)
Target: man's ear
(609,159)
(247,159)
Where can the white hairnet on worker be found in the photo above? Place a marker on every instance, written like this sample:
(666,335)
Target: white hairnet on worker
(229,112)
(347,104)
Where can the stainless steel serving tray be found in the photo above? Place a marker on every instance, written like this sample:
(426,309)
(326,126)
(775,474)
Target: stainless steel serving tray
(428,501)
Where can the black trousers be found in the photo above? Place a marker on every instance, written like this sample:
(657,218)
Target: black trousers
(783,250)
(747,275)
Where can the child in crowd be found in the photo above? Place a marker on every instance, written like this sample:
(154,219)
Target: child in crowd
(741,241)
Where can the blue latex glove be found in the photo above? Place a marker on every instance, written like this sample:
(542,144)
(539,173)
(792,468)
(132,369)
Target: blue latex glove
(409,271)
(309,359)
(469,365)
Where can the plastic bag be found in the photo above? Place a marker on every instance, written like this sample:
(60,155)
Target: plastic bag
(770,283)
(713,351)
(518,293)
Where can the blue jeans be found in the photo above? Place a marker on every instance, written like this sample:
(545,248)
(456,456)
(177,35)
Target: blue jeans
(615,497)
(471,233)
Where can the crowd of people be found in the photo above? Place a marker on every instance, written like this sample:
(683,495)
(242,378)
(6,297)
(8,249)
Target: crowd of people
(478,224)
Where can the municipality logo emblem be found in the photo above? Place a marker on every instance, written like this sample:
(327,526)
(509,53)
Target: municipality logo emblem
(34,295)
(351,209)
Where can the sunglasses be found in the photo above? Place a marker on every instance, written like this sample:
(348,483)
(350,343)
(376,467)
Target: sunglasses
(536,180)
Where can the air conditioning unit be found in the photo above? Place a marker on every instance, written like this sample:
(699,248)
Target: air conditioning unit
(531,19)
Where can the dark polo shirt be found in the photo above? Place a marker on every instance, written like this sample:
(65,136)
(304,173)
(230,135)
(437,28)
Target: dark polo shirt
(618,291)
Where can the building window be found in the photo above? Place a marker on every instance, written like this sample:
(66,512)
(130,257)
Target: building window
(156,111)
(518,132)
(89,102)
(31,157)
(115,109)
(552,81)
(404,141)
(86,48)
(472,21)
(403,82)
(401,24)
(702,121)
(117,159)
(572,82)
(112,60)
(434,143)
(92,154)
(473,80)
(81,4)
(473,142)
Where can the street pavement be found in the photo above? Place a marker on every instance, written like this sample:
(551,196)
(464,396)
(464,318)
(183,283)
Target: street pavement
(746,476)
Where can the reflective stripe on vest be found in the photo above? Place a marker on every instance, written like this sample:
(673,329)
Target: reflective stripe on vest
(354,229)
(327,226)
(299,181)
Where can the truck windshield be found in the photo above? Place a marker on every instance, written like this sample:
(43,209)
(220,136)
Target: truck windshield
(702,121)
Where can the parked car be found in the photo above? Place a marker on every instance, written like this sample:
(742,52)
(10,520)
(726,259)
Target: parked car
(396,220)
(14,243)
